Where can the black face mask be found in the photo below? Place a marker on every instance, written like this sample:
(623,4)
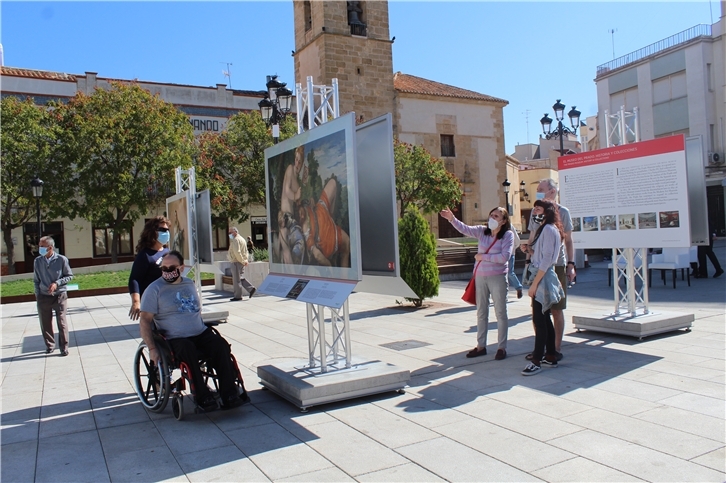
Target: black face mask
(172,276)
(538,218)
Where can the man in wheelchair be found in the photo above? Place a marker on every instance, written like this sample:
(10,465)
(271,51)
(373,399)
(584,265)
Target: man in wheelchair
(172,304)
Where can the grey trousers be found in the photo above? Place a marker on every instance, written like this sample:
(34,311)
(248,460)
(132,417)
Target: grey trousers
(239,281)
(47,304)
(497,287)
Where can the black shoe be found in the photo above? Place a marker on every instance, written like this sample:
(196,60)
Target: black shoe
(235,401)
(718,274)
(235,299)
(476,352)
(209,404)
(64,353)
(559,356)
(252,292)
(48,351)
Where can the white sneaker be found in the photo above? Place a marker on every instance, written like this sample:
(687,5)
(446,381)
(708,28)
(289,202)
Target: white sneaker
(531,369)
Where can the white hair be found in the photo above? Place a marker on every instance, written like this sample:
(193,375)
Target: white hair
(551,183)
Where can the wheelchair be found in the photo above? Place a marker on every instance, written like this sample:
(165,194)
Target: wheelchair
(156,383)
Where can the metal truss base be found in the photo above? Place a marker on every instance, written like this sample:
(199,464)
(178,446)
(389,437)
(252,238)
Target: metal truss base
(639,326)
(293,380)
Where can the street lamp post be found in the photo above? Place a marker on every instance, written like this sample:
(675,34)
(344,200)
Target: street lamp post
(37,185)
(276,104)
(559,109)
(506,185)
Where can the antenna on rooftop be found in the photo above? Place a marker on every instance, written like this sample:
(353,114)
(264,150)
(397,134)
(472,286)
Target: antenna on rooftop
(526,119)
(228,72)
(612,34)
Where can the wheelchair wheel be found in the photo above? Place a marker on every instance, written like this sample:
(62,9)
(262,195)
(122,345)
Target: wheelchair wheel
(177,407)
(151,380)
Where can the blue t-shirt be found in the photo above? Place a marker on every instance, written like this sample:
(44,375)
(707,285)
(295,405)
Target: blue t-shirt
(176,308)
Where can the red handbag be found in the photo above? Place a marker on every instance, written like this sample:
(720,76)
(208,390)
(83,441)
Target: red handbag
(470,292)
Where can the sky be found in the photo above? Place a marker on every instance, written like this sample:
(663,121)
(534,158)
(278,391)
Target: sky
(529,53)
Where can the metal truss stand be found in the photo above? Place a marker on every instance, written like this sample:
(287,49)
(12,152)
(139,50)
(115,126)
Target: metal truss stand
(621,126)
(330,373)
(336,355)
(325,97)
(630,265)
(186,180)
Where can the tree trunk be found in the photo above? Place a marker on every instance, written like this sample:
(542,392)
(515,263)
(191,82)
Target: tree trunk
(8,238)
(115,242)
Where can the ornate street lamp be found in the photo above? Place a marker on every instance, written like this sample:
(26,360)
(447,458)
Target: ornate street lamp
(506,186)
(276,104)
(37,185)
(559,109)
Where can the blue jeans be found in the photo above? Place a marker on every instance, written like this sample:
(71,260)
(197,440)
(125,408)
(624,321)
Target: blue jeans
(513,280)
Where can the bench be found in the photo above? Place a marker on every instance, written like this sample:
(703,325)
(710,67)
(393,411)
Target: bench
(455,260)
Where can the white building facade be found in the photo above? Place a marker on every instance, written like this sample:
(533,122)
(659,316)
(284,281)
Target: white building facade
(678,87)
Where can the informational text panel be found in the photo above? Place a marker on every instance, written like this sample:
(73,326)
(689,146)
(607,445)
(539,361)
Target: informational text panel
(630,196)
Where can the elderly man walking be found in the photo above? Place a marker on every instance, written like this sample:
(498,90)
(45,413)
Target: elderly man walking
(239,257)
(51,274)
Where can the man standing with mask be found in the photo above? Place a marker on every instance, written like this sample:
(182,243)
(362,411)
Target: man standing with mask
(565,265)
(239,257)
(51,274)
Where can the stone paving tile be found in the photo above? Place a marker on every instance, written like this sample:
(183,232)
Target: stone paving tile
(533,400)
(582,470)
(145,465)
(636,389)
(387,428)
(539,425)
(460,463)
(515,449)
(403,473)
(277,453)
(176,434)
(686,421)
(420,410)
(328,474)
(700,404)
(634,459)
(687,384)
(76,459)
(594,397)
(715,459)
(131,437)
(349,450)
(644,433)
(17,460)
(220,464)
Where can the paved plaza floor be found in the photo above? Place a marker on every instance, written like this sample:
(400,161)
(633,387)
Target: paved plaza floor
(617,409)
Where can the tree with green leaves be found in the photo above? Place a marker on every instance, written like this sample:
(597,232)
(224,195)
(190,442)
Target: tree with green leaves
(28,139)
(231,164)
(417,254)
(120,147)
(422,180)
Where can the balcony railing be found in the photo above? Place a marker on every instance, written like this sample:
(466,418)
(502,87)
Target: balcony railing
(700,30)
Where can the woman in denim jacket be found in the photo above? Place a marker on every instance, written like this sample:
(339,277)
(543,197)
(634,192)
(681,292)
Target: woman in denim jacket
(496,245)
(545,289)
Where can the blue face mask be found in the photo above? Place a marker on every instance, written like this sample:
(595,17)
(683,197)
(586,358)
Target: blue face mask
(43,251)
(540,196)
(162,237)
(231,236)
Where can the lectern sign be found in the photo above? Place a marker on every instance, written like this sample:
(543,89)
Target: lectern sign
(629,196)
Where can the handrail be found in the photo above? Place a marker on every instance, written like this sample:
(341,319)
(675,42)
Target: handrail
(679,38)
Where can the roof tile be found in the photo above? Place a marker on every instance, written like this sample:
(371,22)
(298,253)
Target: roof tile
(418,85)
(37,74)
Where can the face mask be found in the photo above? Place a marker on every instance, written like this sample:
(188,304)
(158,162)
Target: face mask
(231,236)
(43,251)
(170,277)
(540,196)
(493,224)
(162,237)
(538,218)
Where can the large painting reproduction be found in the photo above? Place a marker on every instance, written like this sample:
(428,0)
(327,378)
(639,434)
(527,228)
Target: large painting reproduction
(177,209)
(312,203)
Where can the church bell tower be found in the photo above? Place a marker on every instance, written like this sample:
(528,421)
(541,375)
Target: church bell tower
(348,41)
